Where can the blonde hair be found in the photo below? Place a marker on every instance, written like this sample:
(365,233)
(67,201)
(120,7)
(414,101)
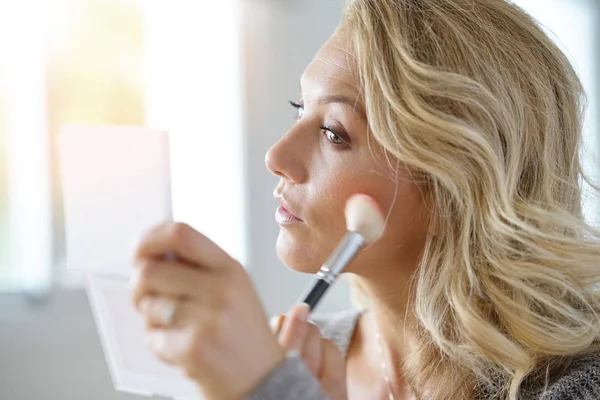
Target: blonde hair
(474,97)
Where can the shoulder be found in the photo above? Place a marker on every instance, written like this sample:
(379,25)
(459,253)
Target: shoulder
(337,327)
(580,380)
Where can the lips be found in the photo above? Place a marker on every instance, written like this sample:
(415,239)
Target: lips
(285,214)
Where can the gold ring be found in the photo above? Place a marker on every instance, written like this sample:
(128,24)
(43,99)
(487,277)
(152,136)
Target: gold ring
(168,314)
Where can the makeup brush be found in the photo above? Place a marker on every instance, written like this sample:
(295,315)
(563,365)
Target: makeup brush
(365,223)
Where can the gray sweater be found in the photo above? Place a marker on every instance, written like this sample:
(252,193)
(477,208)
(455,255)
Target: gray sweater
(293,381)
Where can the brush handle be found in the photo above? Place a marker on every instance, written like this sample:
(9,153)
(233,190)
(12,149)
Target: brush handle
(315,293)
(335,265)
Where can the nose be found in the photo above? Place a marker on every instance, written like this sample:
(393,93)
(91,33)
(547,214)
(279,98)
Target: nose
(288,158)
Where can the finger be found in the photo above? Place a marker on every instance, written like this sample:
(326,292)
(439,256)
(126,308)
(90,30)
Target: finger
(182,347)
(165,278)
(312,350)
(276,322)
(170,345)
(185,243)
(164,312)
(333,371)
(295,329)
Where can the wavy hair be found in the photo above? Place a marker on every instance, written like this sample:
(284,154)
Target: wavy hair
(474,97)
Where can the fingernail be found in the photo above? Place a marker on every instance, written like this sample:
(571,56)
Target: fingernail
(303,312)
(275,323)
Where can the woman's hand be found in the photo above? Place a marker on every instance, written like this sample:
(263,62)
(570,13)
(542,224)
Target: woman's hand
(321,356)
(202,312)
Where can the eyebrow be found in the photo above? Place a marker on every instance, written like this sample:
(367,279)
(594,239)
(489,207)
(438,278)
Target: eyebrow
(355,104)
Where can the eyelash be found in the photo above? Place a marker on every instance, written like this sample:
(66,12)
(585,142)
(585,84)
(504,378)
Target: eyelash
(328,131)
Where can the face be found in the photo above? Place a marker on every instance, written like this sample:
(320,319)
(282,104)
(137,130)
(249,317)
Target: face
(325,158)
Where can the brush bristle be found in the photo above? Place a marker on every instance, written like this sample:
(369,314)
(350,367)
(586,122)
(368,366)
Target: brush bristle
(364,216)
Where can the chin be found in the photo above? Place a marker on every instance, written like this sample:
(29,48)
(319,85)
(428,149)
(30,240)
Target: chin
(297,256)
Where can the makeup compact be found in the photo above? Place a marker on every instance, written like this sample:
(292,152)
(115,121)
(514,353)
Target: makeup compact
(116,185)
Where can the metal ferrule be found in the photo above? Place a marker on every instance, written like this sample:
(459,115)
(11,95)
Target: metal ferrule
(341,257)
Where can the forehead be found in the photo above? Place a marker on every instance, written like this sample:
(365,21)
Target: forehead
(332,69)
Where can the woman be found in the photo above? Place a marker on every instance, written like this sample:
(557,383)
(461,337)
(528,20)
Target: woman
(463,120)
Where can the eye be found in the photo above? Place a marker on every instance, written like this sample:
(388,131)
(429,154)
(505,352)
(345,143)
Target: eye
(333,137)
(299,109)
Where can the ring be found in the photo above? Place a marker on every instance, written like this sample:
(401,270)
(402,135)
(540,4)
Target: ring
(168,312)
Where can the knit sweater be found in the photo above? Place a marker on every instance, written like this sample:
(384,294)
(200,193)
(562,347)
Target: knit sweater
(293,381)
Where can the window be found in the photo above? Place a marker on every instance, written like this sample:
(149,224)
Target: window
(26,140)
(114,62)
(95,76)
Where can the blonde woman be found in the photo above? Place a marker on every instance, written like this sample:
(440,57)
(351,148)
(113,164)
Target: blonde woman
(464,120)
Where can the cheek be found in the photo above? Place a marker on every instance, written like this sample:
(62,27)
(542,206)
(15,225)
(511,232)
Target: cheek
(324,203)
(305,248)
(406,231)
(327,209)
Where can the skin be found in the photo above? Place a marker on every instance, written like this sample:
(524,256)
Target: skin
(214,296)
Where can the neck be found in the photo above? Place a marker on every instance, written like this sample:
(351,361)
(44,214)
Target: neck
(388,292)
(389,316)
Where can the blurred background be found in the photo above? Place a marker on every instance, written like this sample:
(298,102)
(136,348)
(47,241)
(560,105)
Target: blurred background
(215,74)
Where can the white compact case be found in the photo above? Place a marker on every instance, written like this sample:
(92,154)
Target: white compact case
(117,185)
